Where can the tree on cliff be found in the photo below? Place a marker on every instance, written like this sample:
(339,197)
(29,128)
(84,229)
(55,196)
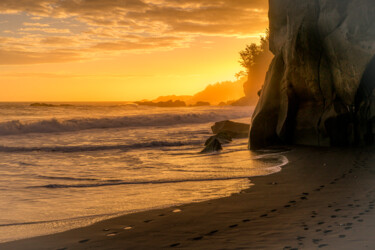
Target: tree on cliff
(255,59)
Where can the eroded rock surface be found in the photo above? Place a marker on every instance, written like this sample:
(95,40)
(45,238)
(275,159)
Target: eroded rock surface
(319,89)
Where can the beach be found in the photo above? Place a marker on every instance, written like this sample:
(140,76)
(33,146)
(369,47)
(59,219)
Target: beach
(324,198)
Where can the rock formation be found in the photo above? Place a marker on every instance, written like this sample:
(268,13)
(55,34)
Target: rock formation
(319,89)
(232,129)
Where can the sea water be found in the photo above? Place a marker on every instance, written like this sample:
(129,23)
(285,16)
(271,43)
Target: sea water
(67,166)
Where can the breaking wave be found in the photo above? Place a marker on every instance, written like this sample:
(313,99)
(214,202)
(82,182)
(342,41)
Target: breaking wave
(15,127)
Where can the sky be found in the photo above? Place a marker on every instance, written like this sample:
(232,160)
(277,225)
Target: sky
(122,50)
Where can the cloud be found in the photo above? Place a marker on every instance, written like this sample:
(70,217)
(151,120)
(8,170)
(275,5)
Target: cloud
(54,40)
(36,24)
(25,57)
(132,25)
(69,75)
(46,30)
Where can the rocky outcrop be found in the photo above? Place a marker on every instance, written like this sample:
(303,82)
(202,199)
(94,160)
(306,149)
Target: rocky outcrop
(319,89)
(167,104)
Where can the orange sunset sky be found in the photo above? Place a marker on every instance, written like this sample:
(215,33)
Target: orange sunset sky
(122,50)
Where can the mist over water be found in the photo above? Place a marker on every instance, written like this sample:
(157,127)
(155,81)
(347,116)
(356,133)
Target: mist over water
(68,166)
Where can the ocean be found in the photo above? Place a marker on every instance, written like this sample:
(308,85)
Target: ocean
(67,166)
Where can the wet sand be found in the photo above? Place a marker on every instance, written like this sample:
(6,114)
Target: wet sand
(323,199)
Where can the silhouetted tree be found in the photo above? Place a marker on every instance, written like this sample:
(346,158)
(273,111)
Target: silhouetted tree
(253,53)
(255,59)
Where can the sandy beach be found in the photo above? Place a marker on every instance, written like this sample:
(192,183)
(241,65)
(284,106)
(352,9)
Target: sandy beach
(324,198)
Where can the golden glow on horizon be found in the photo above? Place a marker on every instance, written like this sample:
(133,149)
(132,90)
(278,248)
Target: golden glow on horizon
(88,52)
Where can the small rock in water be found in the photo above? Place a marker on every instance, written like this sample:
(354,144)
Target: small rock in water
(223,138)
(213,146)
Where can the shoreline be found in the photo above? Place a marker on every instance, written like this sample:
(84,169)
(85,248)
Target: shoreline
(311,203)
(273,157)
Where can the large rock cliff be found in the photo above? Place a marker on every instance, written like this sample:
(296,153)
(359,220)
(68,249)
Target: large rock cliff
(319,89)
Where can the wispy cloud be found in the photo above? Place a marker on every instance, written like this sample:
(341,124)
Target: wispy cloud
(36,24)
(46,30)
(124,25)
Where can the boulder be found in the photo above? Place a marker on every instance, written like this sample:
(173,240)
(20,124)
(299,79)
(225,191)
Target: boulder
(232,129)
(319,89)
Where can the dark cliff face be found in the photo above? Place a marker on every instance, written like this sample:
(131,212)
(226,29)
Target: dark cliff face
(319,89)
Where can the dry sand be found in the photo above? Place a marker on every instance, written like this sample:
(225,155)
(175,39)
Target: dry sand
(324,198)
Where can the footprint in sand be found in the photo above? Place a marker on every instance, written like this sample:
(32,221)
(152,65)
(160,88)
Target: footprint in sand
(246,220)
(342,236)
(147,221)
(174,245)
(83,241)
(112,234)
(264,215)
(316,241)
(212,232)
(323,245)
(197,238)
(233,226)
(273,210)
